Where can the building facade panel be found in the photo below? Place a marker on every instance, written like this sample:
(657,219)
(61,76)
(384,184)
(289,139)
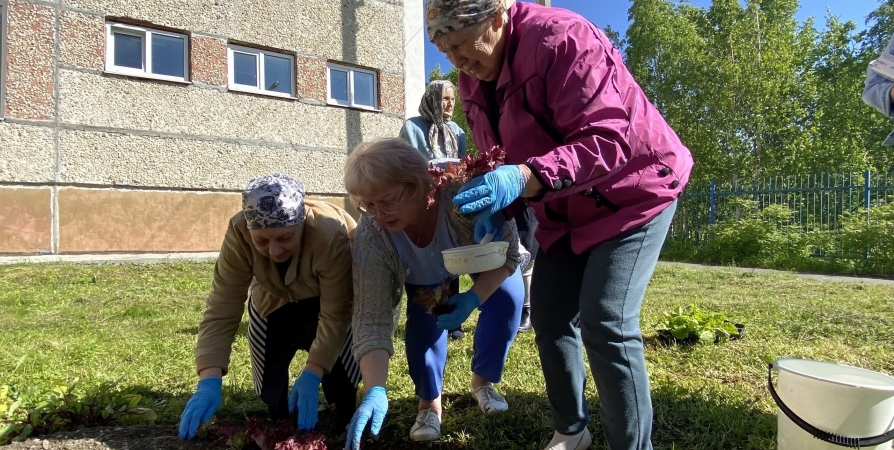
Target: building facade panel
(208,59)
(28,153)
(25,220)
(128,221)
(82,40)
(367,33)
(392,93)
(130,104)
(112,220)
(311,75)
(115,159)
(30,55)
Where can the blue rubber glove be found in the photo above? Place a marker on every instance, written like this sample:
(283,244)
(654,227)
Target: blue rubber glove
(305,398)
(374,406)
(490,225)
(465,302)
(495,190)
(201,406)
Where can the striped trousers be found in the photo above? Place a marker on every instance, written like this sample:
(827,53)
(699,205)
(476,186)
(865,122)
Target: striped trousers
(273,342)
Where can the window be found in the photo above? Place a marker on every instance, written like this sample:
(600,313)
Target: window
(144,52)
(2,57)
(261,71)
(350,86)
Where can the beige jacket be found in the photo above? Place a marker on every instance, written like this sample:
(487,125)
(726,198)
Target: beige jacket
(320,267)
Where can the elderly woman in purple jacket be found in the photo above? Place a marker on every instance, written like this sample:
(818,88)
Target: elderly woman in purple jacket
(601,169)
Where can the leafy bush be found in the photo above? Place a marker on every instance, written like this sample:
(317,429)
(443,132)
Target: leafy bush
(770,238)
(693,324)
(765,238)
(65,409)
(869,240)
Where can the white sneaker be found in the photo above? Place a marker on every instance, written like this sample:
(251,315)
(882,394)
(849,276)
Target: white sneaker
(489,400)
(579,441)
(427,426)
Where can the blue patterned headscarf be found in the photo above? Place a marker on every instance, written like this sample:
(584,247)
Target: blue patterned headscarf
(445,16)
(271,201)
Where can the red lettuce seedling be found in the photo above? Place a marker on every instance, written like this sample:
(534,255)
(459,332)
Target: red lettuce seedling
(282,436)
(469,167)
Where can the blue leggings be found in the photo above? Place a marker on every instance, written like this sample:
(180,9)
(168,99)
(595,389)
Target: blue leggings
(427,344)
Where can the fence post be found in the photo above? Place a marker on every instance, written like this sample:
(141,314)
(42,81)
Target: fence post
(866,192)
(711,219)
(867,199)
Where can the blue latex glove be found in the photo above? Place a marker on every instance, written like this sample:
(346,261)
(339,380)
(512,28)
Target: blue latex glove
(490,225)
(374,406)
(495,190)
(305,398)
(201,406)
(465,302)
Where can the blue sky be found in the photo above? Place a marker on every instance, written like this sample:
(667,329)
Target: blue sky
(614,13)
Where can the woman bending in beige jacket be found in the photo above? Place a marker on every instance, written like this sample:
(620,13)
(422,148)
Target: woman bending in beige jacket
(291,257)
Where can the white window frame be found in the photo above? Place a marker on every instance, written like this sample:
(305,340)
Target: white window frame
(146,33)
(231,67)
(350,103)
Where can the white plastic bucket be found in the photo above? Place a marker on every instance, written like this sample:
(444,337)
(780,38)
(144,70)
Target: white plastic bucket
(826,406)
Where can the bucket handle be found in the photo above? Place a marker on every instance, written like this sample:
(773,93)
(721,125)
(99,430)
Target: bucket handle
(824,436)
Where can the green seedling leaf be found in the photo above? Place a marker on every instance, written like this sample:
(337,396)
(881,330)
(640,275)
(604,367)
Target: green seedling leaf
(26,431)
(7,430)
(13,407)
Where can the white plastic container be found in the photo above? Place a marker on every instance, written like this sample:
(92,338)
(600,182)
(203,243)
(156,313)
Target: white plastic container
(475,258)
(838,399)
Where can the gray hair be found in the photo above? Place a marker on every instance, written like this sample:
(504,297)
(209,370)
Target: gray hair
(375,166)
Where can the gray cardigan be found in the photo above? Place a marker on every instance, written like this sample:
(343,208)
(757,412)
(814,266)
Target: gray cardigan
(876,92)
(379,275)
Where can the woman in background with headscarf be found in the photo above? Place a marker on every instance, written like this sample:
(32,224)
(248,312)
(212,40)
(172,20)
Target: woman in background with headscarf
(602,170)
(291,257)
(433,132)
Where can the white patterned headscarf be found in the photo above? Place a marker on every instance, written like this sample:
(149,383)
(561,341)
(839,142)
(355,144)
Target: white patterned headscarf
(272,201)
(445,16)
(432,111)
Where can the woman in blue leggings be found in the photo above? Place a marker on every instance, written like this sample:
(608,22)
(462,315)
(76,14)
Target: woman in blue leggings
(397,247)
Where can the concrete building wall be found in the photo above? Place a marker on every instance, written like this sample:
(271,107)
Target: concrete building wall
(414,55)
(94,162)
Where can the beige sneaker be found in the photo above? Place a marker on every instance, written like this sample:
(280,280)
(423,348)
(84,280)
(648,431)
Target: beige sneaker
(427,426)
(489,400)
(579,441)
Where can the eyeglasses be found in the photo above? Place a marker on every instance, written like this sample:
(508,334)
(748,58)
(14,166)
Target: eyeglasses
(387,209)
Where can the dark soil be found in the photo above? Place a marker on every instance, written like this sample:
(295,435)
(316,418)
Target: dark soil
(146,437)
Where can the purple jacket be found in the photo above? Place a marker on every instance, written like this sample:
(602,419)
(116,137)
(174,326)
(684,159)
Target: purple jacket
(566,105)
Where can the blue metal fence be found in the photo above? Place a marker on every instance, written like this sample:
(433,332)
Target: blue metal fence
(815,202)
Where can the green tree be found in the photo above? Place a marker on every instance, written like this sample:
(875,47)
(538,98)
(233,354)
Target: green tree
(754,93)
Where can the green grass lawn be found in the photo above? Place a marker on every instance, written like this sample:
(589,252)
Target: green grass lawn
(137,324)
